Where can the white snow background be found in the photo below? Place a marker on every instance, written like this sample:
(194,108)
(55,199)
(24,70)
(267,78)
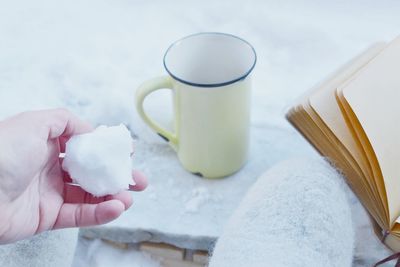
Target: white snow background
(89,56)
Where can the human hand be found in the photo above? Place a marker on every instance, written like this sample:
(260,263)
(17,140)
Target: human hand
(34,196)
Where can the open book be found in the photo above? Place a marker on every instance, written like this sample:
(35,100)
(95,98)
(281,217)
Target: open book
(353,118)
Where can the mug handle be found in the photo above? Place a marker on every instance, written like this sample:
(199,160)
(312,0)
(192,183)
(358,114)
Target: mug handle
(144,90)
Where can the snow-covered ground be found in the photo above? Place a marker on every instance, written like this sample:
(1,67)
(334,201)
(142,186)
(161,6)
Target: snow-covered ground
(89,56)
(97,253)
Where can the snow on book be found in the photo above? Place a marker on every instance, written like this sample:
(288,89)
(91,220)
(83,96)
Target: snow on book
(353,118)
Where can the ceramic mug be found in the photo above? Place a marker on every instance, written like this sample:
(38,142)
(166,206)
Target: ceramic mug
(209,75)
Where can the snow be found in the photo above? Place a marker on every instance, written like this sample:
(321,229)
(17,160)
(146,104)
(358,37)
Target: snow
(100,161)
(89,56)
(100,254)
(48,249)
(199,196)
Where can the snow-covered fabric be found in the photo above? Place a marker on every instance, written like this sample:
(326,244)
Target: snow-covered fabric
(49,249)
(296,214)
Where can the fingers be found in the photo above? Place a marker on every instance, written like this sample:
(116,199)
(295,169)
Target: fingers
(64,124)
(140,181)
(125,197)
(75,195)
(58,123)
(78,195)
(82,215)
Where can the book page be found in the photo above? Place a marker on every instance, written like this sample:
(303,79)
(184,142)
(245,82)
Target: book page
(326,106)
(325,130)
(372,99)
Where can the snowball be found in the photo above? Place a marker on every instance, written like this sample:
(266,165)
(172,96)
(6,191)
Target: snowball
(100,161)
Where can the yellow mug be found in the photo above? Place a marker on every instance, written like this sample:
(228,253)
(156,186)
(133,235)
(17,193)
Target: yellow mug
(209,75)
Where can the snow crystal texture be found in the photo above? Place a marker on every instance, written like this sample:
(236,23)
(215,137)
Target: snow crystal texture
(97,253)
(296,214)
(100,161)
(49,249)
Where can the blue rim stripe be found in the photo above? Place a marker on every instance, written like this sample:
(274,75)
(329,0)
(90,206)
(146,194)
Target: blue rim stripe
(210,84)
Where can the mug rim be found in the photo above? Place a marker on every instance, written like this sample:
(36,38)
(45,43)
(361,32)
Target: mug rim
(242,77)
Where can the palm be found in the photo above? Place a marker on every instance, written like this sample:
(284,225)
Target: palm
(35,204)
